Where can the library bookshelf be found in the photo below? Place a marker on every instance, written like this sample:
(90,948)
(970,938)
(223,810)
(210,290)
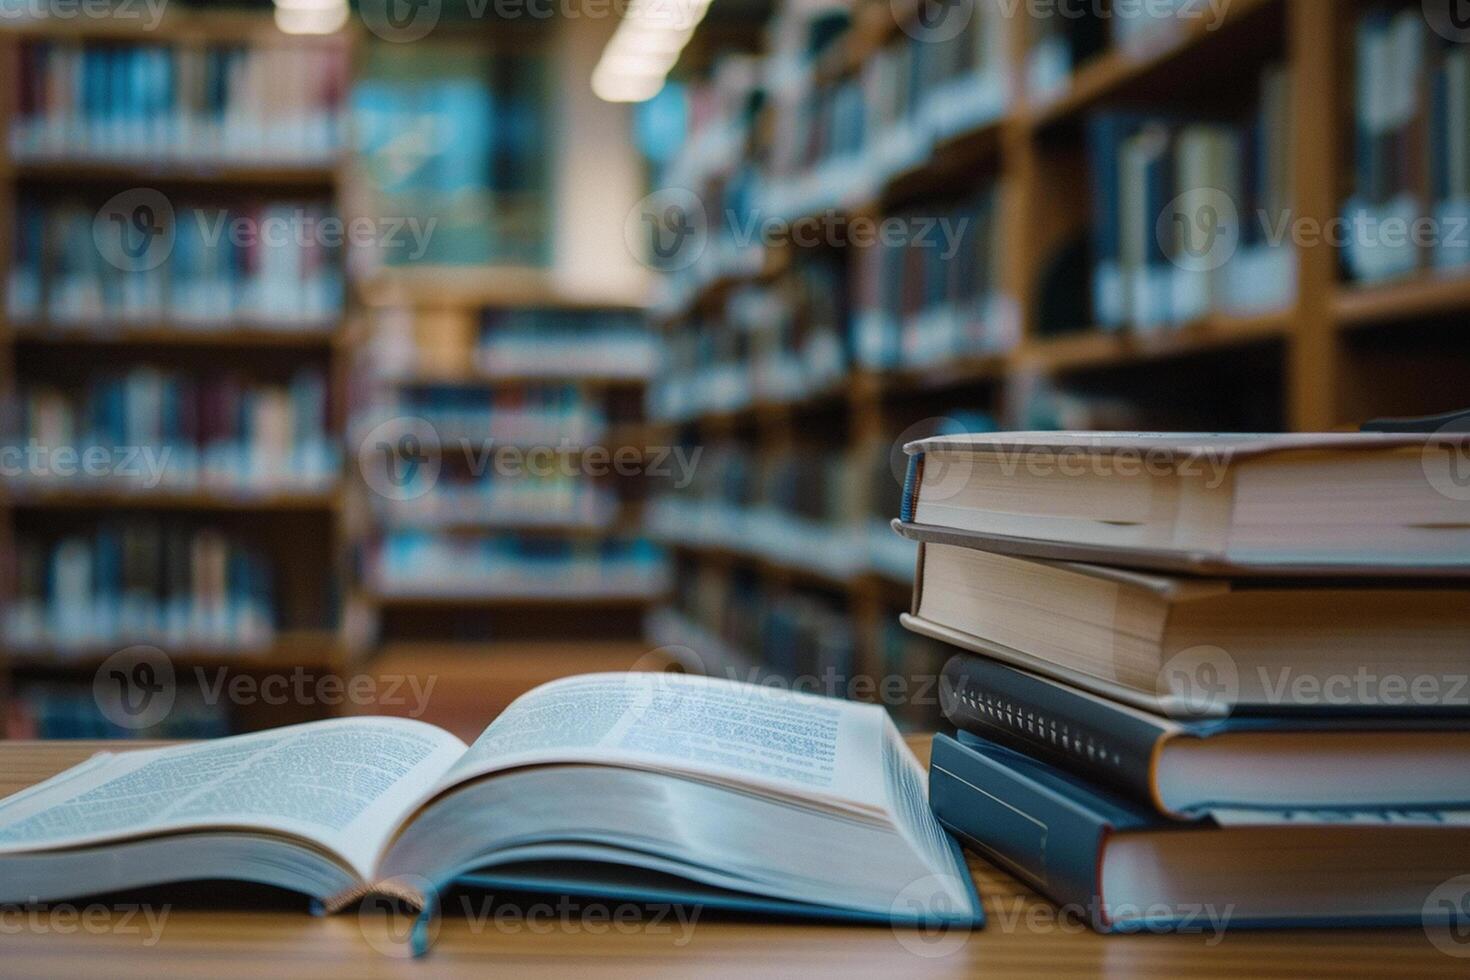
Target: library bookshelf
(297,530)
(445,309)
(1337,355)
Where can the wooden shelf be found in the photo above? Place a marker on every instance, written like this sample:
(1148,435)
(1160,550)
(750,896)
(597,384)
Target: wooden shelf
(165,335)
(975,369)
(508,600)
(459,287)
(306,649)
(1096,350)
(769,565)
(164,498)
(1424,298)
(318,177)
(527,528)
(519,379)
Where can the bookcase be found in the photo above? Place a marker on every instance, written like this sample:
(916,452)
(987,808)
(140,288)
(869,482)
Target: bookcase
(1327,352)
(519,398)
(245,391)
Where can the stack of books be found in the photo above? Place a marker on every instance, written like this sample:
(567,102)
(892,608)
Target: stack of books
(1205,676)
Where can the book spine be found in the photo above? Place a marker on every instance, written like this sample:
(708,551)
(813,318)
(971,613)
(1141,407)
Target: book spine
(1084,735)
(911,483)
(1023,826)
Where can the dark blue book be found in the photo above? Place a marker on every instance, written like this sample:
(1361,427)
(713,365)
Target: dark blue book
(1186,768)
(1121,868)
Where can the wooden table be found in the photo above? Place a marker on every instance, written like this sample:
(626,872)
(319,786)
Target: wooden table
(264,936)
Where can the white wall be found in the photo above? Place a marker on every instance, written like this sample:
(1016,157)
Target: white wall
(599,174)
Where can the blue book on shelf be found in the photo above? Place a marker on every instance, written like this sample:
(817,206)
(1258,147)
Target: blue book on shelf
(1122,868)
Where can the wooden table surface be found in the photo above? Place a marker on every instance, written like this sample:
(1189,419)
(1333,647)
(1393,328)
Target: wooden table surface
(250,933)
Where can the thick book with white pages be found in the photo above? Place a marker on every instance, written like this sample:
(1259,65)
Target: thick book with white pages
(1326,504)
(1197,647)
(749,797)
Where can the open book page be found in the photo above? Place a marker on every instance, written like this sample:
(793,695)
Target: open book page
(790,744)
(343,784)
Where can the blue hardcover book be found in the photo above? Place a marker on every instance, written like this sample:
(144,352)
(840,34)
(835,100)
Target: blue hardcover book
(1122,868)
(1187,768)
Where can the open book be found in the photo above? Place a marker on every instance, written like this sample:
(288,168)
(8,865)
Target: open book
(744,796)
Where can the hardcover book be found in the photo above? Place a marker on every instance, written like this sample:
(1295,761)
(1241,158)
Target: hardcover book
(1328,504)
(1123,868)
(1194,647)
(1186,769)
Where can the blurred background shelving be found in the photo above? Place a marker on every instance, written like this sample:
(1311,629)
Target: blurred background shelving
(1068,142)
(518,432)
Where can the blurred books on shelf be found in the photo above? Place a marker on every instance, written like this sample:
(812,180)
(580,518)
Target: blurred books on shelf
(562,417)
(738,626)
(425,565)
(56,711)
(140,582)
(156,104)
(796,508)
(276,265)
(566,344)
(154,430)
(775,343)
(549,501)
(1186,213)
(1410,204)
(1059,45)
(933,292)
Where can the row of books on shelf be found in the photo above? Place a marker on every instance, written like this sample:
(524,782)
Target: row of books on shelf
(1411,165)
(62,711)
(787,633)
(837,141)
(426,564)
(562,343)
(558,416)
(934,291)
(529,500)
(772,342)
(277,264)
(153,429)
(1191,216)
(735,627)
(214,104)
(1132,682)
(141,582)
